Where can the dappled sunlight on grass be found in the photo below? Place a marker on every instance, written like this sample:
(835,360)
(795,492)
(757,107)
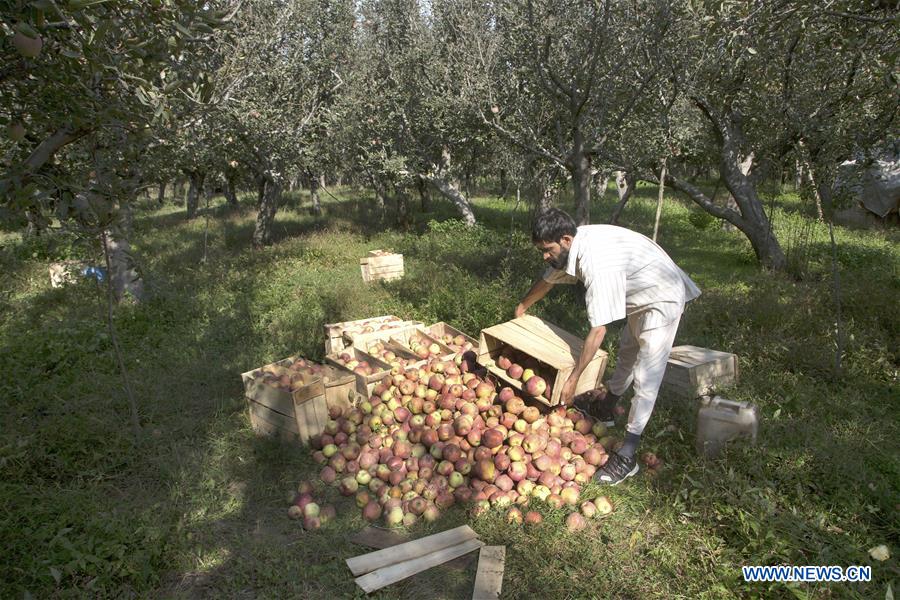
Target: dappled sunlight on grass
(198,508)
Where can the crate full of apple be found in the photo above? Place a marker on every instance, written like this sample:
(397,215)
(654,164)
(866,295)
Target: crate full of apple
(290,398)
(536,357)
(340,335)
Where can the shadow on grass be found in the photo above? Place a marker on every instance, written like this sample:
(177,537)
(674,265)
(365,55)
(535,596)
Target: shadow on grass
(208,494)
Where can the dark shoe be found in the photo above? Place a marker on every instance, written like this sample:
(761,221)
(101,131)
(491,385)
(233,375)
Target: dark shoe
(598,405)
(616,470)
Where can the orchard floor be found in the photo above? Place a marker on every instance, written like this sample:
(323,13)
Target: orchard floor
(197,508)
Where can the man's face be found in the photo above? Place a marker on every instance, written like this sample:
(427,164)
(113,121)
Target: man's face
(556,254)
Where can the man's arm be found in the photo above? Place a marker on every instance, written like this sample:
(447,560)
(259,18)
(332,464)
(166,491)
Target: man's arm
(537,291)
(591,344)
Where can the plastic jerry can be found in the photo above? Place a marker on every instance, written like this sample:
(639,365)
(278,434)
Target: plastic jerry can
(721,420)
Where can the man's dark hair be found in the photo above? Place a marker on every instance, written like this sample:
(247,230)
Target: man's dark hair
(551,225)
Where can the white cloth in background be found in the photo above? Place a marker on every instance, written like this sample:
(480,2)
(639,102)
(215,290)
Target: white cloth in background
(625,273)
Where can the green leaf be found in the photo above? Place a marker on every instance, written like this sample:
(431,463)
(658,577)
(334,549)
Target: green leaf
(42,4)
(183,30)
(57,576)
(26,30)
(81,4)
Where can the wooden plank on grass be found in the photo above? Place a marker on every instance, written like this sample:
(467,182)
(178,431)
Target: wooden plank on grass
(489,577)
(384,576)
(410,550)
(376,537)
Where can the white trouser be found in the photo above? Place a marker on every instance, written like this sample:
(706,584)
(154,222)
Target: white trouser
(642,359)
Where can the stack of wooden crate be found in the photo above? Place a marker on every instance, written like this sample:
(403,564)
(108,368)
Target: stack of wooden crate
(381,265)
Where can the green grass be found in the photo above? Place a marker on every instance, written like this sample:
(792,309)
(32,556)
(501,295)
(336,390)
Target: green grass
(198,507)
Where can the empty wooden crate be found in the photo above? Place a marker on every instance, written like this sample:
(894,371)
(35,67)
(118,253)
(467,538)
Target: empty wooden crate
(548,350)
(693,371)
(381,265)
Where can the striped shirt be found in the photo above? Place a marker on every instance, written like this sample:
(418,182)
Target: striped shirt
(624,273)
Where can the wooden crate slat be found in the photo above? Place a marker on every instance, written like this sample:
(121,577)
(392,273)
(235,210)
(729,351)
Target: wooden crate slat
(693,371)
(264,428)
(489,577)
(384,576)
(274,418)
(335,332)
(551,333)
(556,359)
(270,397)
(441,329)
(409,550)
(520,340)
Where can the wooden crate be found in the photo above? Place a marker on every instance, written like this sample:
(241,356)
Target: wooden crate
(364,383)
(298,413)
(381,265)
(693,371)
(552,352)
(340,335)
(403,356)
(407,337)
(440,329)
(363,340)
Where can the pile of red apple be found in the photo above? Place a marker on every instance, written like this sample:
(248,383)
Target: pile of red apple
(439,435)
(533,384)
(289,377)
(383,351)
(304,506)
(360,367)
(458,344)
(424,348)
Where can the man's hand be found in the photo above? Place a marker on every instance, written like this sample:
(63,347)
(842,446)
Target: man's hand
(520,310)
(568,391)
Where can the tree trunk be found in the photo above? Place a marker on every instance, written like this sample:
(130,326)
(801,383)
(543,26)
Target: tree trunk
(195,188)
(123,274)
(315,182)
(659,199)
(402,199)
(580,169)
(379,196)
(34,226)
(442,181)
(450,191)
(816,190)
(504,183)
(735,167)
(265,217)
(625,183)
(261,184)
(161,195)
(230,193)
(424,195)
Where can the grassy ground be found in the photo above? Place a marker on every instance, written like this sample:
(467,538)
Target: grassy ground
(198,507)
